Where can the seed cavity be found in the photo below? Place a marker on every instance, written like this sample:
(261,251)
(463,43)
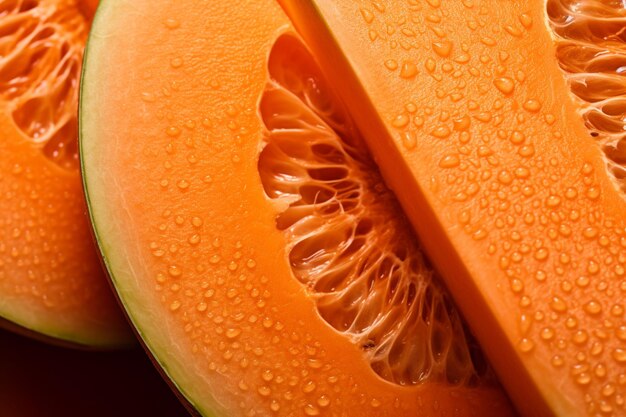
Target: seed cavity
(348,240)
(40,61)
(591,49)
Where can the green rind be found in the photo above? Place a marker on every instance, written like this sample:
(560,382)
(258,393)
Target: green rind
(105,15)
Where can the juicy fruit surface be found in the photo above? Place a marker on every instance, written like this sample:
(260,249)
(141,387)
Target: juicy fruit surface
(348,241)
(211,220)
(50,275)
(528,224)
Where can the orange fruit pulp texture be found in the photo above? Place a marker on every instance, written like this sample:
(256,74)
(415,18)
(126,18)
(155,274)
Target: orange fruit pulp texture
(468,108)
(51,281)
(247,231)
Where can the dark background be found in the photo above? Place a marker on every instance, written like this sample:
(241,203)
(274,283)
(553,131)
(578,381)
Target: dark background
(39,380)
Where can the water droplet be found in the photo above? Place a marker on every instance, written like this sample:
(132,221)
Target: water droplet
(593,193)
(553,201)
(608,390)
(449,161)
(580,337)
(400,121)
(174,271)
(175,305)
(182,184)
(526,151)
(522,172)
(368,16)
(517,137)
(526,345)
(409,139)
(441,132)
(557,361)
(512,30)
(583,378)
(558,305)
(442,48)
(505,177)
(505,84)
(430,65)
(391,64)
(526,20)
(619,355)
(173,131)
(547,333)
(541,254)
(487,40)
(540,275)
(311,410)
(593,268)
(532,105)
(517,285)
(409,70)
(233,333)
(265,391)
(323,401)
(309,387)
(172,23)
(484,116)
(176,62)
(274,406)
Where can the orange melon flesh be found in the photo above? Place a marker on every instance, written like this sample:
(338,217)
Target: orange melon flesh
(247,232)
(51,281)
(472,122)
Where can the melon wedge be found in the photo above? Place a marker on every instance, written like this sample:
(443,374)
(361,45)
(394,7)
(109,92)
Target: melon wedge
(249,235)
(501,127)
(52,285)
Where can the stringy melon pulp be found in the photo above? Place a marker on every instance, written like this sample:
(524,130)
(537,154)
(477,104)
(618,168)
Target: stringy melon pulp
(591,42)
(50,276)
(347,238)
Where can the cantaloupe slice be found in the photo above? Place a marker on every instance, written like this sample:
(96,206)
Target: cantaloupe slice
(519,202)
(51,281)
(247,230)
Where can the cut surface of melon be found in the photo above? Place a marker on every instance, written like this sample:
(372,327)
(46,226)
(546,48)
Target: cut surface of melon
(248,232)
(51,281)
(507,124)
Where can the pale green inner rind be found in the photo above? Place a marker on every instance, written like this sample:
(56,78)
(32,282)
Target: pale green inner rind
(104,218)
